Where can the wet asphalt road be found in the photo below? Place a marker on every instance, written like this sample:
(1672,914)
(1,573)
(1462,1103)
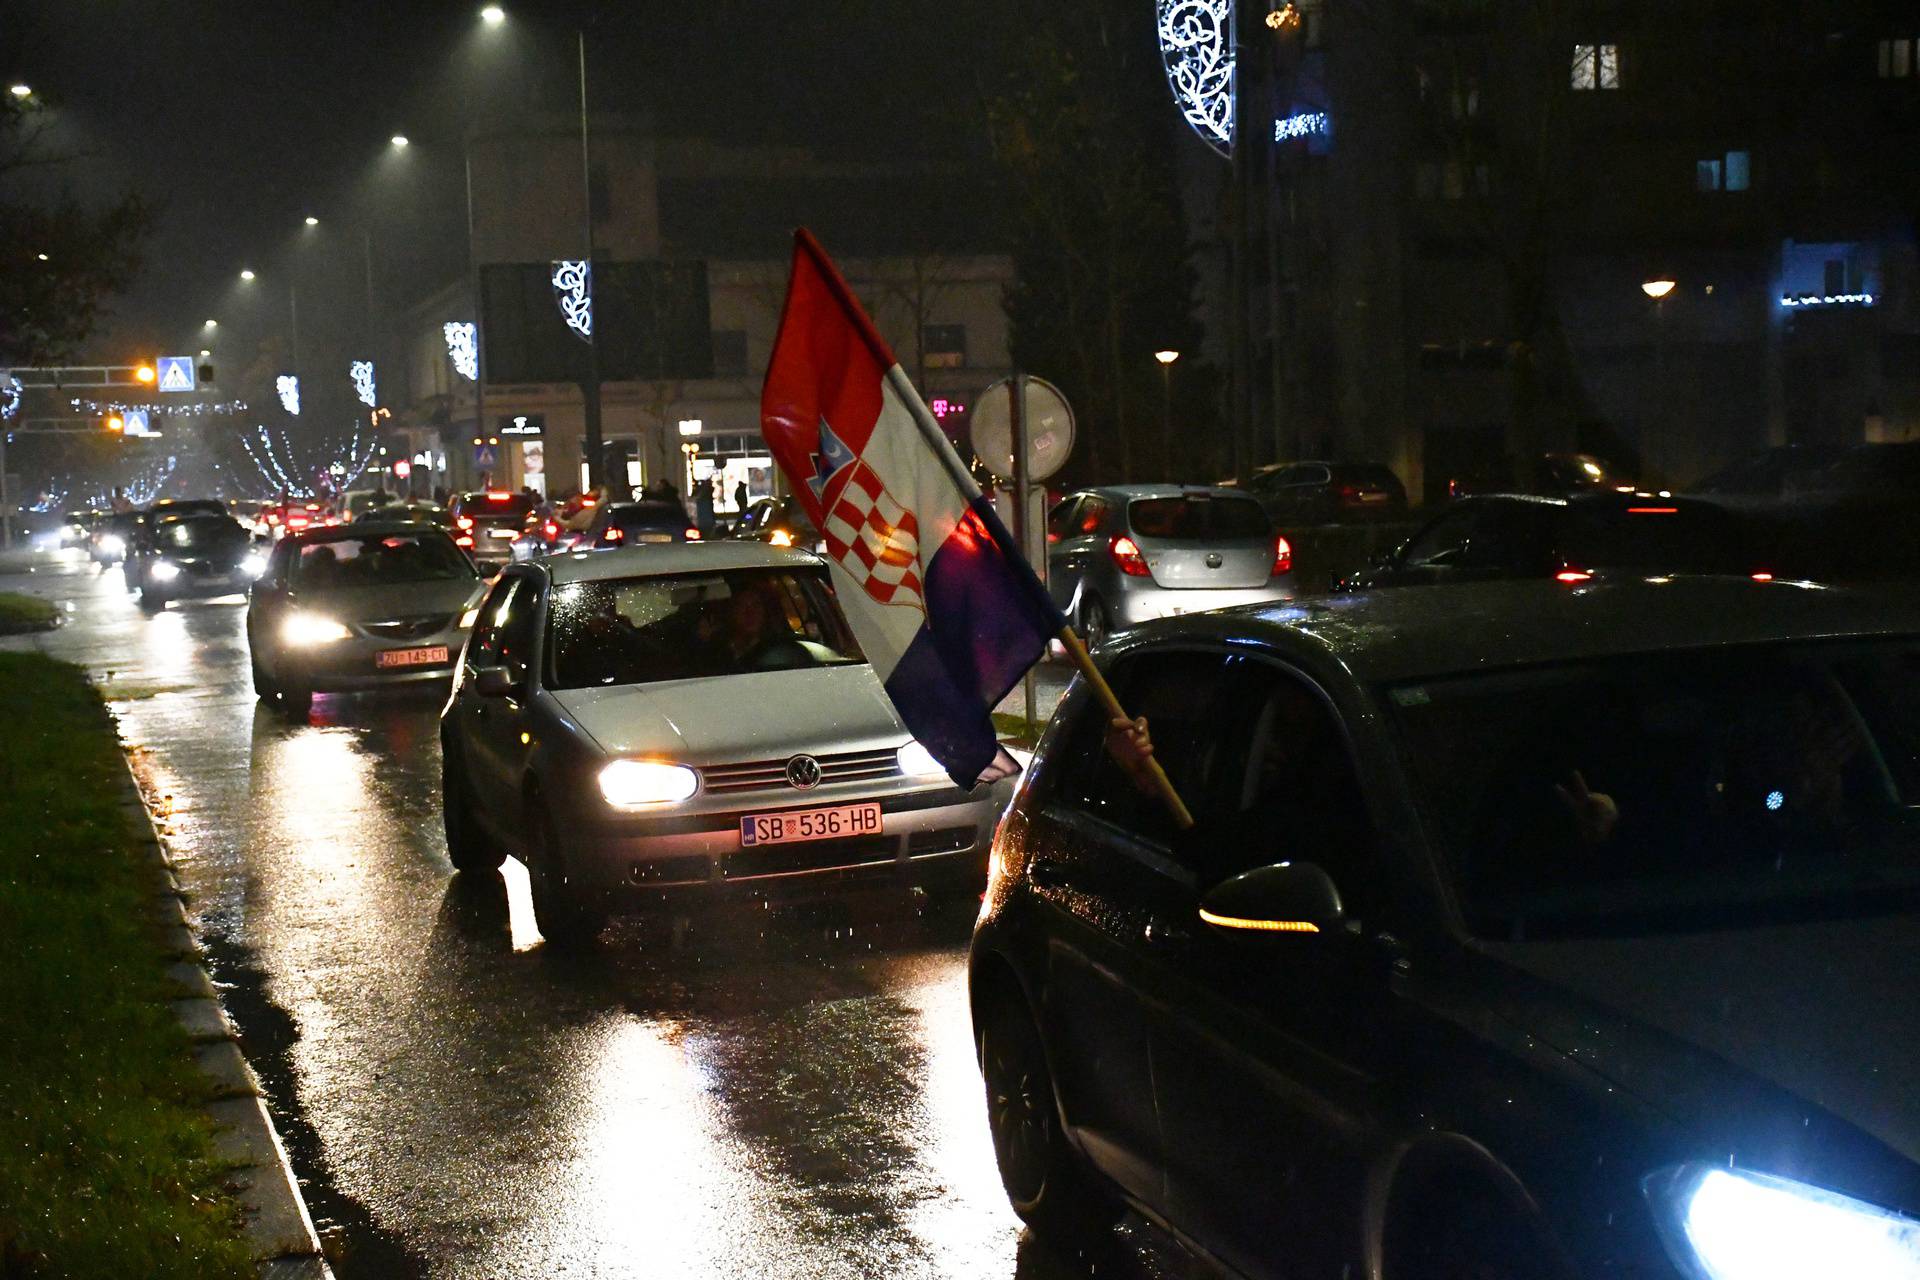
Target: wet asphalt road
(767,1094)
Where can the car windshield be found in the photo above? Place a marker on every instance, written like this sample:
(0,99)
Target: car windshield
(1198,518)
(1657,535)
(379,560)
(686,626)
(199,533)
(1675,791)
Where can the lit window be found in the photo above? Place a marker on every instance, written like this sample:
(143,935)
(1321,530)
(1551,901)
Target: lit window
(946,346)
(1739,170)
(1895,58)
(1596,66)
(1706,175)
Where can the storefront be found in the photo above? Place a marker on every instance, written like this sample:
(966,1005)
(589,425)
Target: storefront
(734,458)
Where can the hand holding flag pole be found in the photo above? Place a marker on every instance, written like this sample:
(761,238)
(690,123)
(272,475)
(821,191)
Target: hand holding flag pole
(941,598)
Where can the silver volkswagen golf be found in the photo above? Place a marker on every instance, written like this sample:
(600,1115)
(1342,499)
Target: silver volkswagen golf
(659,723)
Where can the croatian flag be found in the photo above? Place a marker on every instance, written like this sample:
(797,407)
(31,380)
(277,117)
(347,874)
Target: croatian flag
(949,614)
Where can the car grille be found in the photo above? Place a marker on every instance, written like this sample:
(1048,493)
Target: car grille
(405,628)
(925,844)
(819,855)
(760,775)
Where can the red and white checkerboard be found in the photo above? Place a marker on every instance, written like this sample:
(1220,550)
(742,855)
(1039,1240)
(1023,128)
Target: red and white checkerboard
(875,539)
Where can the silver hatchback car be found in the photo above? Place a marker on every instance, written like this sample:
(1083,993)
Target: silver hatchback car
(668,723)
(1123,555)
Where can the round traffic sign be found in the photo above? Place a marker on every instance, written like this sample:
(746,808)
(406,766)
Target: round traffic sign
(1049,423)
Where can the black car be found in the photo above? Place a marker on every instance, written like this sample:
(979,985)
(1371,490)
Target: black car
(1522,932)
(1310,493)
(1570,539)
(194,556)
(485,523)
(626,524)
(781,522)
(139,544)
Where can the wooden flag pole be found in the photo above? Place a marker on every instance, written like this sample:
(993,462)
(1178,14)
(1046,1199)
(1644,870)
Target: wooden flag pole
(1162,784)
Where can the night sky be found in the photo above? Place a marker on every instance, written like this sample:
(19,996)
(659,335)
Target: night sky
(244,118)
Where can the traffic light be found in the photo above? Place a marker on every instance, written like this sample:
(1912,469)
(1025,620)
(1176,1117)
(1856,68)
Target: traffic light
(144,373)
(115,423)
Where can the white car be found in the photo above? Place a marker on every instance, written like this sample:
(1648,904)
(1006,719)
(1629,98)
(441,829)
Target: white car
(653,724)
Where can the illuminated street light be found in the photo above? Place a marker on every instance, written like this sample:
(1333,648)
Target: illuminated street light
(211,324)
(493,15)
(1166,357)
(1657,289)
(41,256)
(312,221)
(246,275)
(204,353)
(400,140)
(21,90)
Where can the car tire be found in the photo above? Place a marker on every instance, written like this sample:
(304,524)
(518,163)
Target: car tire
(564,921)
(468,846)
(263,686)
(1095,622)
(1044,1179)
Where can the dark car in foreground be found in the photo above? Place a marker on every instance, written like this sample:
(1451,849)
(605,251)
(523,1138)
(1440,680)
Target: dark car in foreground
(1524,931)
(1569,539)
(359,607)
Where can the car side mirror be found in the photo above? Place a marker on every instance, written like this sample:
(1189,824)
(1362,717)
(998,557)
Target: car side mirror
(1288,897)
(492,682)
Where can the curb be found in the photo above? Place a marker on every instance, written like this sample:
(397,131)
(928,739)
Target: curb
(278,1228)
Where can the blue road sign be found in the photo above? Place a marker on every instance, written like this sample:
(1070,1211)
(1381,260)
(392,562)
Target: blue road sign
(486,456)
(135,422)
(176,373)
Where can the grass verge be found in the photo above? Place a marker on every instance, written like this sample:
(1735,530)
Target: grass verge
(106,1163)
(25,613)
(1014,729)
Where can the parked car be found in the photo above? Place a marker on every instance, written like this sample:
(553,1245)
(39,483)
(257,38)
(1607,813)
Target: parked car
(1119,556)
(1523,931)
(1517,536)
(486,524)
(663,724)
(1770,474)
(1299,494)
(194,556)
(366,606)
(779,522)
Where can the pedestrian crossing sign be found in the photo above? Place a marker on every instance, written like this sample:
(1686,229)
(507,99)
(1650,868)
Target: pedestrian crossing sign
(176,373)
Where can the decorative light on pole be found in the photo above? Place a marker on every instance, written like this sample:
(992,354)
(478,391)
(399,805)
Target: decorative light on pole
(1196,48)
(573,290)
(1657,289)
(463,345)
(288,388)
(361,371)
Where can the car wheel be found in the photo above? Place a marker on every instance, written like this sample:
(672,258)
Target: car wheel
(1044,1179)
(263,686)
(1095,624)
(468,847)
(564,921)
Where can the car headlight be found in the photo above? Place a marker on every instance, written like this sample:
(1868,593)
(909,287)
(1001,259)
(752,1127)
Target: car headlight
(780,538)
(163,571)
(918,762)
(1729,1224)
(470,617)
(641,784)
(254,566)
(113,545)
(303,630)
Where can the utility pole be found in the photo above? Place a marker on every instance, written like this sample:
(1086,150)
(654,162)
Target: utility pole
(590,388)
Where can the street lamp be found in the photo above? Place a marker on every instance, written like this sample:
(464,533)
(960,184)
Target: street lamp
(493,15)
(21,90)
(1657,289)
(399,141)
(247,275)
(211,324)
(312,221)
(1166,359)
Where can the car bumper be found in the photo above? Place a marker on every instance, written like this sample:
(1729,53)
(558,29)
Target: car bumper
(1135,606)
(932,840)
(349,666)
(194,587)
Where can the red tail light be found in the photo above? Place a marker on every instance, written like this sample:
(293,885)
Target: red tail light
(495,495)
(1653,511)
(1763,576)
(463,541)
(1282,556)
(553,530)
(465,522)
(693,535)
(1571,574)
(614,533)
(1126,554)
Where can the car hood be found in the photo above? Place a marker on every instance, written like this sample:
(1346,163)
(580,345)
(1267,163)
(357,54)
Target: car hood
(721,719)
(1820,1011)
(400,600)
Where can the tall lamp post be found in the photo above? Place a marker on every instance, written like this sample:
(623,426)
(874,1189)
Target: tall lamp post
(1166,359)
(1657,289)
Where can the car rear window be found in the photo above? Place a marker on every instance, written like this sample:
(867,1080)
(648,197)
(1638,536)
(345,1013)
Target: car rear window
(1198,518)
(647,515)
(1655,535)
(485,506)
(1371,474)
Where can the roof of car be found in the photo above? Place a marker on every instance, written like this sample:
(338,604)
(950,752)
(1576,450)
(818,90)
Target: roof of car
(363,528)
(1131,492)
(674,557)
(1406,633)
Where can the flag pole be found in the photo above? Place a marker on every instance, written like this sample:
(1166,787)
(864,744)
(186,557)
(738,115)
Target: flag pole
(1076,648)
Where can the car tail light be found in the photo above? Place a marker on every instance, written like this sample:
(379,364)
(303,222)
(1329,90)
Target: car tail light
(495,495)
(1126,554)
(1571,575)
(463,541)
(1282,556)
(1762,576)
(780,538)
(1653,511)
(614,533)
(553,530)
(465,522)
(693,535)
(1349,492)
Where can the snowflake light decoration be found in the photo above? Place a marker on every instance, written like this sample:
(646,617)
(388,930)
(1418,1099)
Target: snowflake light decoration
(288,387)
(361,371)
(573,290)
(463,345)
(1196,48)
(10,391)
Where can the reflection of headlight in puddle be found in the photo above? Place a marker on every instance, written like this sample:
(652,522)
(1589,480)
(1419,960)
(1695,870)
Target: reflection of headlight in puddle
(163,571)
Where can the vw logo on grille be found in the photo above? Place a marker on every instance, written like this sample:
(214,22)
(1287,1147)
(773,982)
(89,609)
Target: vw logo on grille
(803,773)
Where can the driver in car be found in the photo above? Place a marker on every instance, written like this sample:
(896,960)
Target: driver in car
(753,635)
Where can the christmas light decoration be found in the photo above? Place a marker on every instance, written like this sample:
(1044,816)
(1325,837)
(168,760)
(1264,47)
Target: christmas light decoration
(463,344)
(1804,300)
(573,290)
(1299,125)
(1196,49)
(288,388)
(10,392)
(100,408)
(361,371)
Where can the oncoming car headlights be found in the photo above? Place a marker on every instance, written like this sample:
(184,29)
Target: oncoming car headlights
(1731,1224)
(303,630)
(163,571)
(254,565)
(642,784)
